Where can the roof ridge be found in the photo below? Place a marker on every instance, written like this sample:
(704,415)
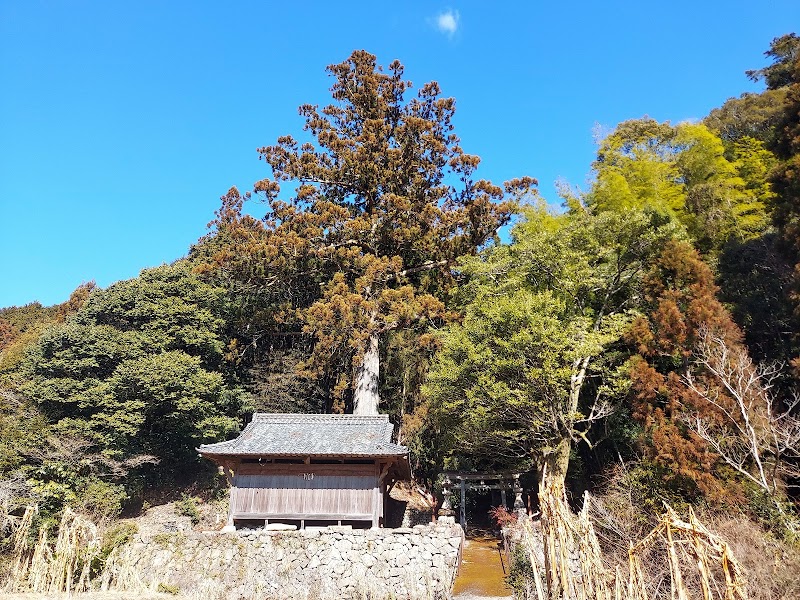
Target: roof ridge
(319,416)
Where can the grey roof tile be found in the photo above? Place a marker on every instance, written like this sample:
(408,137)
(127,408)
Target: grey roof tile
(310,435)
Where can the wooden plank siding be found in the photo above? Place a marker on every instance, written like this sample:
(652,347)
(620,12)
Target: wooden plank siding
(307,492)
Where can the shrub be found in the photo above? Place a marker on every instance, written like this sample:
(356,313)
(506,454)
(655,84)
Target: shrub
(502,517)
(118,535)
(187,506)
(783,524)
(101,500)
(520,571)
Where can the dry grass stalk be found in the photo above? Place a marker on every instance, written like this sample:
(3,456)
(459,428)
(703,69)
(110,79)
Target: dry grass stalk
(21,528)
(63,568)
(595,577)
(35,577)
(573,566)
(701,548)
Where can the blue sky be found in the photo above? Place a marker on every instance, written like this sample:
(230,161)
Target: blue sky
(124,122)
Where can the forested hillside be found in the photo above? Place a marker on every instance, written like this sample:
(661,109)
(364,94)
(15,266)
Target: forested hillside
(649,322)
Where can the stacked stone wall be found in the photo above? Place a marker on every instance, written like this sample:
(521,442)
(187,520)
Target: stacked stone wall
(335,562)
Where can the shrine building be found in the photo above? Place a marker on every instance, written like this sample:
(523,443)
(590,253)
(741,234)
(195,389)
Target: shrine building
(310,470)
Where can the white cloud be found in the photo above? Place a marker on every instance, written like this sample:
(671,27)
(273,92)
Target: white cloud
(447,22)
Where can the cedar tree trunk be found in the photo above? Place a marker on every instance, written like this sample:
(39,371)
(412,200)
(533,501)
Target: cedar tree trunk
(365,398)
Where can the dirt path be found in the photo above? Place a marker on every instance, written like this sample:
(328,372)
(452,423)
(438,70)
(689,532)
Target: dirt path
(482,573)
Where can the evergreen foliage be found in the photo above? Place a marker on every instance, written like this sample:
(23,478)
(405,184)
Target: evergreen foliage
(377,272)
(135,378)
(535,363)
(137,369)
(384,201)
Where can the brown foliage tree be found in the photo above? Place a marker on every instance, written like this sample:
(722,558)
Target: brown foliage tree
(75,302)
(8,333)
(384,201)
(682,306)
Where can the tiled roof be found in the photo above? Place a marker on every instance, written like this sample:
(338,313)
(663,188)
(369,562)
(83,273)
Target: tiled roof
(311,435)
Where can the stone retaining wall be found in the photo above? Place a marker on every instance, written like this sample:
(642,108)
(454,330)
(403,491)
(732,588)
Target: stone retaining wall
(335,562)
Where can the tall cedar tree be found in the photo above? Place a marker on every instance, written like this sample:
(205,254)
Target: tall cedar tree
(383,202)
(682,305)
(783,76)
(785,72)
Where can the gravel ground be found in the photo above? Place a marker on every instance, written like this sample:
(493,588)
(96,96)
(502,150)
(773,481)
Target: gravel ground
(92,596)
(153,596)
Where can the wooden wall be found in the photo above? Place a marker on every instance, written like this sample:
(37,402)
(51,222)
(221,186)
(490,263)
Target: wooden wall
(331,492)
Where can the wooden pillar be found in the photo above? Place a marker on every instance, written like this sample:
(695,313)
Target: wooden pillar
(503,498)
(230,475)
(376,497)
(463,507)
(384,504)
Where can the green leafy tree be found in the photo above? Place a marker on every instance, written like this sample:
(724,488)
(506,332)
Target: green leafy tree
(784,52)
(681,171)
(28,317)
(754,162)
(750,115)
(139,370)
(533,364)
(755,273)
(383,201)
(786,175)
(784,75)
(755,280)
(719,206)
(635,167)
(20,327)
(21,428)
(50,468)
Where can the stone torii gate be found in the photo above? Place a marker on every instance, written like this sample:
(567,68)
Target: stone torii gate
(482,482)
